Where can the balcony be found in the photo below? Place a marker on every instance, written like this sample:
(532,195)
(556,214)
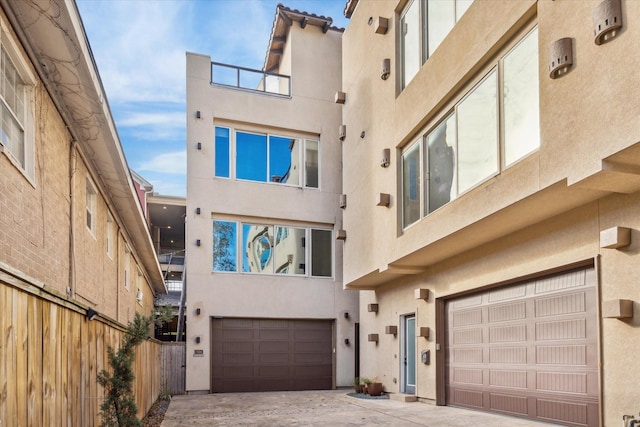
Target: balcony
(250,79)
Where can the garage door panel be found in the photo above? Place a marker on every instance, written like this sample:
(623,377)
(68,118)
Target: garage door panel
(271,355)
(528,350)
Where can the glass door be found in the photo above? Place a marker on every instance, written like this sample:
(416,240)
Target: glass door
(409,354)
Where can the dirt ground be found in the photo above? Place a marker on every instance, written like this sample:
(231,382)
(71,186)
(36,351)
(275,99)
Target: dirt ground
(156,414)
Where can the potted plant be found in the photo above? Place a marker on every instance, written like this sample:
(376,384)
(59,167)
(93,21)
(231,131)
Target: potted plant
(358,385)
(365,386)
(374,388)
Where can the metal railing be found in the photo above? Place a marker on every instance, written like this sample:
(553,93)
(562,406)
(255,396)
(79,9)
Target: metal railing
(174,285)
(250,79)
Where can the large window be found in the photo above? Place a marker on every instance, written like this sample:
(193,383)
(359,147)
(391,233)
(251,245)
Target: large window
(266,158)
(423,26)
(16,118)
(271,249)
(91,206)
(465,148)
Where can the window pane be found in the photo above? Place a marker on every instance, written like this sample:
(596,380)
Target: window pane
(222,152)
(290,257)
(521,111)
(224,246)
(321,253)
(251,156)
(311,163)
(257,244)
(478,134)
(410,39)
(411,185)
(281,154)
(441,19)
(440,185)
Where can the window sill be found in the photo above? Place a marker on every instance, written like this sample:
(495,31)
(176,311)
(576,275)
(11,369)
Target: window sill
(16,164)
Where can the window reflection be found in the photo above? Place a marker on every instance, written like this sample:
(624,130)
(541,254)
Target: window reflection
(251,156)
(222,152)
(290,257)
(311,163)
(224,245)
(440,183)
(410,40)
(283,160)
(478,134)
(321,253)
(411,185)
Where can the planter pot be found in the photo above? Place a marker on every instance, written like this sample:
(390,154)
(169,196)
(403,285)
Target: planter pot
(375,389)
(358,388)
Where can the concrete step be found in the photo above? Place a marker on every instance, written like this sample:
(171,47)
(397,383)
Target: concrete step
(401,397)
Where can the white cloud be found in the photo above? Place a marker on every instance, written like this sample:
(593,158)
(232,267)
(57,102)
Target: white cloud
(170,163)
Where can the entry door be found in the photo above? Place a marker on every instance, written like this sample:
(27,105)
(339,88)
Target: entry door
(409,354)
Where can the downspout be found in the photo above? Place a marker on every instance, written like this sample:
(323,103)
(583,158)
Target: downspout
(73,163)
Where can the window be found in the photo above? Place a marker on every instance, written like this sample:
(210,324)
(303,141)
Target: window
(266,158)
(111,235)
(90,206)
(424,24)
(272,249)
(127,268)
(464,149)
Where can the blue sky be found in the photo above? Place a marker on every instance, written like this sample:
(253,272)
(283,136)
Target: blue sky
(139,47)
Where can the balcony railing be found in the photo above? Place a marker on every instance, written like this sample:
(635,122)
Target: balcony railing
(174,285)
(250,79)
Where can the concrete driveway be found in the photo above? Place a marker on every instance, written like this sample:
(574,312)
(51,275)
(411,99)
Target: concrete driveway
(321,408)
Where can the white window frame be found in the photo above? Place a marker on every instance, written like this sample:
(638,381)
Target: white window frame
(110,235)
(91,206)
(21,66)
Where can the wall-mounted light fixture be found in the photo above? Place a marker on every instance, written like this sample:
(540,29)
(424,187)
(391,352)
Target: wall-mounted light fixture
(373,338)
(383,199)
(199,145)
(197,211)
(346,341)
(560,57)
(91,314)
(343,201)
(198,115)
(197,312)
(382,24)
(607,20)
(340,97)
(341,235)
(197,340)
(362,134)
(385,160)
(198,242)
(346,314)
(386,69)
(372,308)
(342,132)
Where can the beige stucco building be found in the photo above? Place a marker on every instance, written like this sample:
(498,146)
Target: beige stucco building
(506,258)
(266,308)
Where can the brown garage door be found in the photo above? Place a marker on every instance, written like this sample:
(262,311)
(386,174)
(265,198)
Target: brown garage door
(528,350)
(271,355)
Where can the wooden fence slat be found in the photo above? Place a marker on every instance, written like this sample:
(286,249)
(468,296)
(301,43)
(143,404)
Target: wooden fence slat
(34,351)
(6,350)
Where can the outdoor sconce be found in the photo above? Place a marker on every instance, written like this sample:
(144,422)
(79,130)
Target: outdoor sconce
(382,24)
(197,340)
(373,338)
(197,312)
(422,293)
(615,238)
(391,330)
(607,19)
(197,211)
(560,57)
(340,97)
(372,308)
(386,69)
(385,161)
(383,199)
(617,309)
(342,132)
(341,235)
(362,134)
(346,314)
(91,314)
(423,331)
(198,115)
(343,201)
(198,242)
(199,145)
(346,341)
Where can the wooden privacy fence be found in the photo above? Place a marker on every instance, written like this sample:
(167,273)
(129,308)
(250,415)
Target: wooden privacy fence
(50,355)
(174,355)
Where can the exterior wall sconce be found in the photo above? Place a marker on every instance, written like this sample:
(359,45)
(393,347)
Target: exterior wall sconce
(198,115)
(199,145)
(422,293)
(560,57)
(383,199)
(391,330)
(346,341)
(423,331)
(382,25)
(91,314)
(346,314)
(615,238)
(617,309)
(197,340)
(198,242)
(342,235)
(362,135)
(342,132)
(385,160)
(607,20)
(373,338)
(197,312)
(197,211)
(372,308)
(340,97)
(343,201)
(386,69)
